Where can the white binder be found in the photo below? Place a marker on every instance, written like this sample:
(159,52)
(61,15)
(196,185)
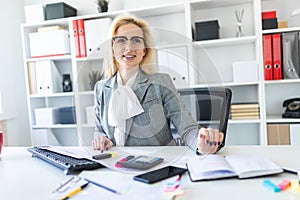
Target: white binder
(48,78)
(96,31)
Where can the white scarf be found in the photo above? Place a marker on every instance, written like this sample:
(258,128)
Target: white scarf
(123,105)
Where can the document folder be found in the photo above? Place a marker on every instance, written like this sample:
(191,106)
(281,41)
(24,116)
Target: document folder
(267,54)
(277,62)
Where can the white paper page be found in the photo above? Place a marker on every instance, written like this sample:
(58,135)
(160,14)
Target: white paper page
(209,167)
(252,165)
(121,182)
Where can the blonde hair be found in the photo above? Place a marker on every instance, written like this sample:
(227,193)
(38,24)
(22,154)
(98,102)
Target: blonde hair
(147,64)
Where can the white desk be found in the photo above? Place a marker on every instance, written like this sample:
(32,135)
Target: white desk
(24,177)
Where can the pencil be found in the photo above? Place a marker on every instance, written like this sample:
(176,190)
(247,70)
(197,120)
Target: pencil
(77,190)
(102,186)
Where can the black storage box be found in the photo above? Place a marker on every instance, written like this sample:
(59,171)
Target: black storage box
(270,23)
(207,30)
(59,10)
(67,115)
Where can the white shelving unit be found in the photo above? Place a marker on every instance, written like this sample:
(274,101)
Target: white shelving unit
(208,64)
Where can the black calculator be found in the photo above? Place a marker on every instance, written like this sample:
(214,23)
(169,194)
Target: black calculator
(139,162)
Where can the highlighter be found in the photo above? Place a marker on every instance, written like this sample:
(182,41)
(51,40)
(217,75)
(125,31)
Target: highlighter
(283,185)
(271,186)
(295,185)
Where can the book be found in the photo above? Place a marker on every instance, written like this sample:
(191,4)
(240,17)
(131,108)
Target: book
(51,28)
(244,105)
(246,110)
(245,117)
(211,167)
(245,114)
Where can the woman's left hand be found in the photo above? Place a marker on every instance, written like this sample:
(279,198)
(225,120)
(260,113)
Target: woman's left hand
(209,140)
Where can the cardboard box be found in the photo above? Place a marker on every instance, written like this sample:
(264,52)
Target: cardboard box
(207,30)
(46,116)
(245,71)
(59,10)
(34,13)
(278,134)
(49,43)
(67,115)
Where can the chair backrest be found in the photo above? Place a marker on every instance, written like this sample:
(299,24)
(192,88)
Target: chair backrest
(210,107)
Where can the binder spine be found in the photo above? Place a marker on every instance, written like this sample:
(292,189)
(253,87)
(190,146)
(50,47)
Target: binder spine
(81,33)
(267,54)
(76,38)
(277,59)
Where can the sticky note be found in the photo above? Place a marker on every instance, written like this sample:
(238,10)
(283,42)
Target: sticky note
(283,185)
(271,186)
(295,185)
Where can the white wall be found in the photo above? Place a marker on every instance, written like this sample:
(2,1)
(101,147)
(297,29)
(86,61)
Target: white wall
(12,81)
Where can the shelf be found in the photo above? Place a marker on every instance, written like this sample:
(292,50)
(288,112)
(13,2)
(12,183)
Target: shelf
(281,30)
(244,121)
(60,94)
(54,126)
(285,81)
(279,119)
(54,58)
(225,41)
(205,4)
(229,84)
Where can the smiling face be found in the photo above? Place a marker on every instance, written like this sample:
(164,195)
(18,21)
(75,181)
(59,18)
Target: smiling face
(128,46)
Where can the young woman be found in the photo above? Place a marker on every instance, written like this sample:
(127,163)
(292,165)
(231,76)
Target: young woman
(134,106)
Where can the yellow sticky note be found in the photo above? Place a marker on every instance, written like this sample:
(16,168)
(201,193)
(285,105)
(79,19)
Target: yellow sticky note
(295,185)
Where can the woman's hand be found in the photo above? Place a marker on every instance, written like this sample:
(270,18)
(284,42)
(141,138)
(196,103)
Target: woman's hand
(209,140)
(102,143)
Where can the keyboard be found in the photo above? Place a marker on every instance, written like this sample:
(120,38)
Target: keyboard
(69,164)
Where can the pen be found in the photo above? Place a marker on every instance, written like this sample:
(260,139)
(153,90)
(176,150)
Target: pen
(292,171)
(102,186)
(77,190)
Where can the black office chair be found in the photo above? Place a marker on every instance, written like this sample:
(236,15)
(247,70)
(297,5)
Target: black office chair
(210,107)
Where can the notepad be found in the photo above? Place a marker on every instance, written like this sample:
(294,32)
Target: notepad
(209,167)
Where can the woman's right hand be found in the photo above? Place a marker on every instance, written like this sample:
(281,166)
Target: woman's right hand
(102,143)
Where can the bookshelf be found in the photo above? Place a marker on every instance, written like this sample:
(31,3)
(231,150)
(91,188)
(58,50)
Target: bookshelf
(207,63)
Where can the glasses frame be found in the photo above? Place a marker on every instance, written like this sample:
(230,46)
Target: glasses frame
(128,39)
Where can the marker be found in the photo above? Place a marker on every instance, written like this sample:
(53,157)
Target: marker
(283,185)
(102,186)
(102,156)
(295,185)
(271,186)
(292,171)
(77,190)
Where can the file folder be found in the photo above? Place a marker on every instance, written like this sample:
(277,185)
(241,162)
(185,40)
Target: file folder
(48,78)
(76,38)
(277,61)
(267,55)
(81,33)
(290,55)
(96,36)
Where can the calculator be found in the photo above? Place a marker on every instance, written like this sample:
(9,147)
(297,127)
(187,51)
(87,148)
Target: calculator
(139,162)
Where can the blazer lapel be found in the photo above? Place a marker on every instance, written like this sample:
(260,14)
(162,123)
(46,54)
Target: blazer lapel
(108,91)
(139,87)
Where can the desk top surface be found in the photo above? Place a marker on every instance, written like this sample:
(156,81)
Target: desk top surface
(24,177)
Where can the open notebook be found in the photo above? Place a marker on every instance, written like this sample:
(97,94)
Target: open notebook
(209,167)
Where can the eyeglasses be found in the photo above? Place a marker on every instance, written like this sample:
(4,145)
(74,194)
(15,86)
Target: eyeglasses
(122,40)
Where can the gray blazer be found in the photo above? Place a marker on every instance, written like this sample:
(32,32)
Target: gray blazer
(162,106)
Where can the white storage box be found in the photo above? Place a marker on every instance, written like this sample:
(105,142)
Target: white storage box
(49,43)
(34,13)
(245,71)
(46,116)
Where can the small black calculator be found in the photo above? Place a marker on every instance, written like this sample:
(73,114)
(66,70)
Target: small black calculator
(140,162)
